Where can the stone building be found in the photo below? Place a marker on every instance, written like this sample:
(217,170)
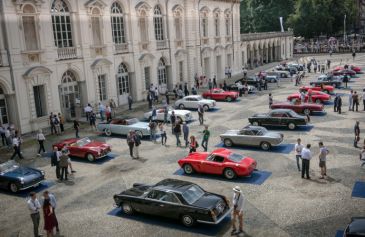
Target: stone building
(58,55)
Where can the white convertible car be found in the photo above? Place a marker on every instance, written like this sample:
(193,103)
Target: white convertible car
(123,126)
(182,115)
(193,101)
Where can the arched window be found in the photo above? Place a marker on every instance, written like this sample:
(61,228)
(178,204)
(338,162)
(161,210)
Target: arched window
(123,79)
(3,108)
(117,21)
(29,27)
(96,27)
(178,24)
(157,21)
(143,26)
(204,23)
(161,72)
(61,22)
(228,24)
(216,24)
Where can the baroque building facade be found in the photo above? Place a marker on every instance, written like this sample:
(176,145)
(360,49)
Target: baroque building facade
(59,55)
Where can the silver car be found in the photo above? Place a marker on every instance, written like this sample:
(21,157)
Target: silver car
(123,126)
(252,136)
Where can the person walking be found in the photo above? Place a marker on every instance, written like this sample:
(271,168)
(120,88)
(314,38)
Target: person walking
(193,144)
(2,134)
(306,157)
(185,129)
(34,207)
(339,103)
(88,109)
(238,202)
(92,120)
(62,122)
(206,135)
(186,90)
(165,114)
(149,99)
(350,99)
(49,218)
(101,111)
(41,138)
(177,132)
(63,163)
(345,80)
(108,113)
(210,84)
(53,127)
(130,142)
(298,152)
(201,114)
(162,133)
(56,124)
(357,133)
(335,100)
(153,127)
(9,140)
(137,142)
(172,120)
(302,97)
(323,152)
(55,161)
(76,128)
(52,200)
(130,102)
(270,100)
(215,82)
(16,146)
(355,101)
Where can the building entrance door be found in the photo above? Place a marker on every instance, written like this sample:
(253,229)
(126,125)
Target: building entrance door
(70,95)
(123,84)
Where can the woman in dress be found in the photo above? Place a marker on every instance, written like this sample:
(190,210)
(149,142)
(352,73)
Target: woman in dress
(49,218)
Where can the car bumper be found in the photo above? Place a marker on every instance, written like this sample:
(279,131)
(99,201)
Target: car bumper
(218,220)
(32,184)
(103,155)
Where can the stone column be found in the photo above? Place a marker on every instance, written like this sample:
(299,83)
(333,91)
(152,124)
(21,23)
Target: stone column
(267,54)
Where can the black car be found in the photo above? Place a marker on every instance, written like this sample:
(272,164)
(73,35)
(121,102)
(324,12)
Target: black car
(279,117)
(356,228)
(253,81)
(239,86)
(175,199)
(16,177)
(327,79)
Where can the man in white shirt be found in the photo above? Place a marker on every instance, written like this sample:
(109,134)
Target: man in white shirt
(34,207)
(298,152)
(16,146)
(238,202)
(306,157)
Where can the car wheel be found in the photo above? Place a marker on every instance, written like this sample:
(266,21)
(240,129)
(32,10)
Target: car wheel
(188,169)
(229,173)
(306,111)
(13,187)
(228,142)
(206,107)
(108,132)
(127,208)
(90,157)
(255,123)
(228,99)
(181,106)
(291,126)
(139,133)
(265,146)
(187,220)
(318,101)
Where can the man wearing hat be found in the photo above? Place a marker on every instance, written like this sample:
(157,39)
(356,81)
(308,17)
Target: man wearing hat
(238,203)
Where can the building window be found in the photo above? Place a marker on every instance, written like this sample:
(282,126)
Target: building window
(178,25)
(143,26)
(147,78)
(123,79)
(161,72)
(3,109)
(205,25)
(40,100)
(228,25)
(95,26)
(29,27)
(216,25)
(102,87)
(181,71)
(61,22)
(157,21)
(117,21)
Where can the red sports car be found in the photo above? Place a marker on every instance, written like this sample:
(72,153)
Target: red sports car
(352,67)
(84,148)
(221,162)
(343,72)
(219,94)
(326,89)
(301,108)
(317,96)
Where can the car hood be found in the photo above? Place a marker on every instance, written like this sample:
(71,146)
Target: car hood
(96,145)
(198,156)
(208,200)
(181,112)
(23,172)
(140,125)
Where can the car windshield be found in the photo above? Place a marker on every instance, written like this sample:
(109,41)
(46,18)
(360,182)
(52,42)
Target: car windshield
(193,194)
(236,157)
(132,121)
(83,142)
(7,166)
(261,131)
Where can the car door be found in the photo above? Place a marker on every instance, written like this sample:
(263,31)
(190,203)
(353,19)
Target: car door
(74,150)
(218,95)
(161,203)
(213,164)
(189,103)
(274,118)
(245,137)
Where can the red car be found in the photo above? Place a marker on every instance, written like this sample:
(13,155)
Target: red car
(301,108)
(326,89)
(221,162)
(84,148)
(343,72)
(317,96)
(219,94)
(352,67)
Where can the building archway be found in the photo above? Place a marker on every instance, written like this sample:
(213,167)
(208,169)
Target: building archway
(70,94)
(123,84)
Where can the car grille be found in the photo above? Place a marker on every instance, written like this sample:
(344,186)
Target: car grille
(219,208)
(105,152)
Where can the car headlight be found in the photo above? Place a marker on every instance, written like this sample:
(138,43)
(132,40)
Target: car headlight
(42,172)
(22,180)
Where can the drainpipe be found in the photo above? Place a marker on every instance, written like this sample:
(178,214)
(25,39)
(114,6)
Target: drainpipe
(168,35)
(200,38)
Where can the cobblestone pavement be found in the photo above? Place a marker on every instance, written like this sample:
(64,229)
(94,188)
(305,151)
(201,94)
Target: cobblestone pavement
(284,205)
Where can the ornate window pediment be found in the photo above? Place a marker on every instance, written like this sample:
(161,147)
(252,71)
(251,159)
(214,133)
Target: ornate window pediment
(19,4)
(91,4)
(142,7)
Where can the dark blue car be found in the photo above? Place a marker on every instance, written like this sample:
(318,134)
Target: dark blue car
(15,177)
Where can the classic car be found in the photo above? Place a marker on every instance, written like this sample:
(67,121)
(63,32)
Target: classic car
(174,199)
(219,162)
(271,78)
(252,136)
(238,86)
(253,80)
(182,115)
(352,67)
(299,67)
(325,88)
(220,94)
(298,107)
(327,79)
(122,126)
(15,177)
(347,72)
(193,102)
(317,96)
(84,148)
(280,73)
(279,117)
(356,228)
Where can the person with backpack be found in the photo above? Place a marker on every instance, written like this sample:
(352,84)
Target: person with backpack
(41,138)
(193,144)
(137,142)
(323,152)
(130,142)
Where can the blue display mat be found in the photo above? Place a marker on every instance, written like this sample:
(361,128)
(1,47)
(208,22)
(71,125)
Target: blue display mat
(202,229)
(305,128)
(359,190)
(258,177)
(339,233)
(282,148)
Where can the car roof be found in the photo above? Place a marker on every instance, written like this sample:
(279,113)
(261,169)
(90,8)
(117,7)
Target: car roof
(192,96)
(174,185)
(251,127)
(357,226)
(281,110)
